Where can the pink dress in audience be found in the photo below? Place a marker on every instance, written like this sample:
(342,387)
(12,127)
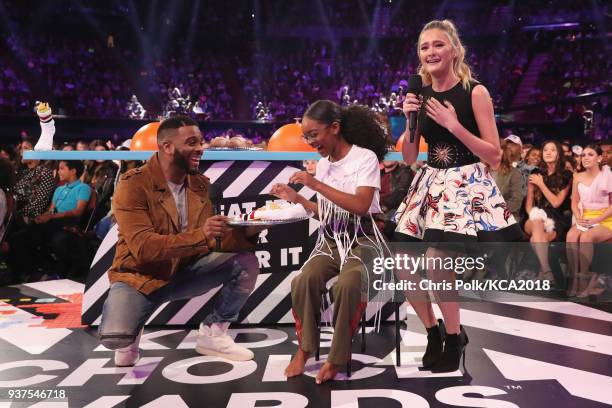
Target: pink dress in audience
(595,199)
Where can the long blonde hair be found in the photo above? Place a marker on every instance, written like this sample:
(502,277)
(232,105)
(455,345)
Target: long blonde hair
(460,67)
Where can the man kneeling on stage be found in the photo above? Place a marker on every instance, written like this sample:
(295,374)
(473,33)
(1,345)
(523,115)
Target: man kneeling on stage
(166,249)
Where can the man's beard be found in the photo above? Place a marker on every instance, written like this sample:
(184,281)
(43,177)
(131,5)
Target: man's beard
(184,163)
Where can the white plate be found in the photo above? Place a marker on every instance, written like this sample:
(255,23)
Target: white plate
(260,223)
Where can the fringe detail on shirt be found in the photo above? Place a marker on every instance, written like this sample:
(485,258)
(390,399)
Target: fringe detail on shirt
(344,228)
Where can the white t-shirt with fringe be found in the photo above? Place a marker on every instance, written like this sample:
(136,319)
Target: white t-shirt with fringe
(359,168)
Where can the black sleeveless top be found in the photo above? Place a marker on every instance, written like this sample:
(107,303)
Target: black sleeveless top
(445,150)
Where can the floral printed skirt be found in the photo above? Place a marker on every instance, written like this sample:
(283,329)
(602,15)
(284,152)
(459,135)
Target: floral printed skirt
(456,204)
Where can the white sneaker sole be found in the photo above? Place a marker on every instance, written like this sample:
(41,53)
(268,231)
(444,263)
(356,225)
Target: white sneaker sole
(126,363)
(210,352)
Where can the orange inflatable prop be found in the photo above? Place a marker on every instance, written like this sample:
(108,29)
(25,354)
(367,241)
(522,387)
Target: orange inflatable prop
(400,143)
(145,138)
(288,138)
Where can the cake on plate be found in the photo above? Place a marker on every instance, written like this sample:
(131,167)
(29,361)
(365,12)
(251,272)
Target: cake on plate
(274,212)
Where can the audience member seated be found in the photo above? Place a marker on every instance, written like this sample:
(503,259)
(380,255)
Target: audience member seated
(310,166)
(591,206)
(7,181)
(548,204)
(531,161)
(395,179)
(34,187)
(82,145)
(48,232)
(508,178)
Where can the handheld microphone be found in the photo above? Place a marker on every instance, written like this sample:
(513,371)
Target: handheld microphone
(415,84)
(215,193)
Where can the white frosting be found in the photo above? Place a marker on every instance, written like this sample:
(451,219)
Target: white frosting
(286,212)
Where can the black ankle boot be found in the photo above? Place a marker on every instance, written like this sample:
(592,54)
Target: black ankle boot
(435,340)
(454,349)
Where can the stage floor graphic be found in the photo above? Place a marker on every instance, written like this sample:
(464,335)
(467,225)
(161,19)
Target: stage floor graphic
(521,354)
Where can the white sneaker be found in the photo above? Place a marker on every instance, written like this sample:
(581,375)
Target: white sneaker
(128,356)
(47,127)
(214,341)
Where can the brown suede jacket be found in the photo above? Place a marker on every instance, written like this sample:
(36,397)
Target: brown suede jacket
(151,247)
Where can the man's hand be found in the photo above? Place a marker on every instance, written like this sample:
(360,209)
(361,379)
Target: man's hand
(216,226)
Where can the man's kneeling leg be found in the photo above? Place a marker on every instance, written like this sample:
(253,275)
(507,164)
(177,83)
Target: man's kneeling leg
(124,314)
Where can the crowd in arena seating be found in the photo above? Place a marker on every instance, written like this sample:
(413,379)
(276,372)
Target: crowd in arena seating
(280,78)
(286,83)
(575,66)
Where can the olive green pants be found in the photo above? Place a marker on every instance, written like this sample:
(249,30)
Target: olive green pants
(348,297)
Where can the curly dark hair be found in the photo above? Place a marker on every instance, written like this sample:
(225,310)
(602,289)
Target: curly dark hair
(359,125)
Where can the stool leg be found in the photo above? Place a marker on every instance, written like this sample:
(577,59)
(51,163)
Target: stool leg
(350,358)
(363,332)
(318,352)
(348,364)
(397,335)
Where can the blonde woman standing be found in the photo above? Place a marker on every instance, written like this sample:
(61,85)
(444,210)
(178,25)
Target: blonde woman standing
(454,197)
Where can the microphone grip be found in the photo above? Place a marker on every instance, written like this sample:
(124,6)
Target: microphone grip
(216,212)
(412,125)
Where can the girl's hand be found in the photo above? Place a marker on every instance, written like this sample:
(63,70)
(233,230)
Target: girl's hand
(590,223)
(304,178)
(536,179)
(284,192)
(443,115)
(412,103)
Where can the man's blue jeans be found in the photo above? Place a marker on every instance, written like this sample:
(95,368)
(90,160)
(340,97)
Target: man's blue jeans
(126,309)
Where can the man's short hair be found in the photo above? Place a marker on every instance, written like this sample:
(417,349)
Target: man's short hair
(75,165)
(605,142)
(173,123)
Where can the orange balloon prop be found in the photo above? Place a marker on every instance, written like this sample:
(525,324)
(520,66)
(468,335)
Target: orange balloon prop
(400,143)
(145,138)
(288,138)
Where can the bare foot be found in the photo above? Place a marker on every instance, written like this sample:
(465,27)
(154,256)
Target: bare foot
(327,372)
(297,364)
